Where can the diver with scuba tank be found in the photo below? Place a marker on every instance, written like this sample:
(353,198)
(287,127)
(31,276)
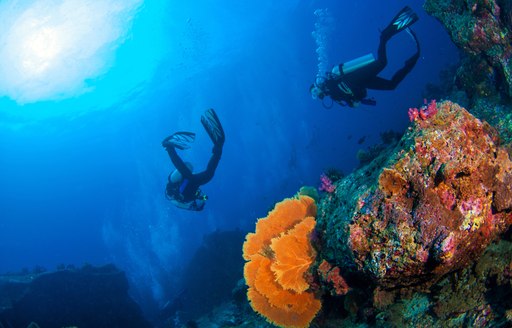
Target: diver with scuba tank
(347,83)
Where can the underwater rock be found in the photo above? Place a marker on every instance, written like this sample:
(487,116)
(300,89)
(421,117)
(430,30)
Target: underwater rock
(87,297)
(482,30)
(209,278)
(430,207)
(477,296)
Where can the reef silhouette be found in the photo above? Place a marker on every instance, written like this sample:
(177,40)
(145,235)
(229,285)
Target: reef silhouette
(86,297)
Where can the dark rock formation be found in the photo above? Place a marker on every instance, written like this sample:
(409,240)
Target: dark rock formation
(210,277)
(90,297)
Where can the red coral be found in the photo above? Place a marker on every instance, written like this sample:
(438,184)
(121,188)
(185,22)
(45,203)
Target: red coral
(323,269)
(339,284)
(424,112)
(332,276)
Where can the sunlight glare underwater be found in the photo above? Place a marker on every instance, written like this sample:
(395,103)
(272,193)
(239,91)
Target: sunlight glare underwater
(50,49)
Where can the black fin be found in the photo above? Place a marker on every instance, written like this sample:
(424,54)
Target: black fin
(211,124)
(180,140)
(405,18)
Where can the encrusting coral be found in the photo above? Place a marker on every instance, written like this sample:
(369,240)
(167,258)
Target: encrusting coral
(430,209)
(279,255)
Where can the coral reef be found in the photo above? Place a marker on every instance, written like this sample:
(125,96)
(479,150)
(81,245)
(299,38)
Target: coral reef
(366,156)
(309,191)
(429,208)
(279,255)
(477,296)
(481,28)
(399,242)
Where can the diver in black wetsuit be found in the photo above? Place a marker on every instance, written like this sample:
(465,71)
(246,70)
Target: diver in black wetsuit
(183,185)
(347,84)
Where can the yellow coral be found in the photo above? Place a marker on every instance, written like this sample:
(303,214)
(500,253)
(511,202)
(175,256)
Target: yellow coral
(279,255)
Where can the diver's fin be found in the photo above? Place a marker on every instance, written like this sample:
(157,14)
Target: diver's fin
(413,36)
(405,18)
(211,124)
(180,140)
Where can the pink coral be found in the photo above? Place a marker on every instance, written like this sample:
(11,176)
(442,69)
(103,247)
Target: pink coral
(472,206)
(424,112)
(448,198)
(327,184)
(413,114)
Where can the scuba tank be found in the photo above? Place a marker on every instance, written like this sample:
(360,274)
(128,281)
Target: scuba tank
(357,63)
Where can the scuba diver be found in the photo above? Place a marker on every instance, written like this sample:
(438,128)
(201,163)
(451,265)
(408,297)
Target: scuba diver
(347,84)
(182,185)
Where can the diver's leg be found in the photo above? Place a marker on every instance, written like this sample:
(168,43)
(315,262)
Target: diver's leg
(205,176)
(382,57)
(178,162)
(402,73)
(213,127)
(362,75)
(366,73)
(378,83)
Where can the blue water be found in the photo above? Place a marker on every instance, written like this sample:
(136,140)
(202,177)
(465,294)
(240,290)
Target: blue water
(82,173)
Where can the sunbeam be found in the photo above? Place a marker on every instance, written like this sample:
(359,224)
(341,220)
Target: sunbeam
(53,49)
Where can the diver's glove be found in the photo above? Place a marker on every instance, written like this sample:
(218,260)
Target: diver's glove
(211,124)
(179,140)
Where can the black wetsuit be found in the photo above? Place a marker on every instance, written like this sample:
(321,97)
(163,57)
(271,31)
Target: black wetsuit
(350,88)
(187,192)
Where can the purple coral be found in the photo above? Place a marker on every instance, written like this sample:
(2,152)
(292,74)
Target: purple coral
(326,184)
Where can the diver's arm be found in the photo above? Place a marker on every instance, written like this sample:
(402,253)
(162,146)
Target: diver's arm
(205,176)
(178,162)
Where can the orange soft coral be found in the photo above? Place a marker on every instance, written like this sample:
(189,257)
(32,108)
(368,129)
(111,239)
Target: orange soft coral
(285,216)
(279,255)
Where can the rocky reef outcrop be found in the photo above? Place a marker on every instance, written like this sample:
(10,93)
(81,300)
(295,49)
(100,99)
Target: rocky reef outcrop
(87,297)
(426,208)
(481,29)
(421,234)
(402,240)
